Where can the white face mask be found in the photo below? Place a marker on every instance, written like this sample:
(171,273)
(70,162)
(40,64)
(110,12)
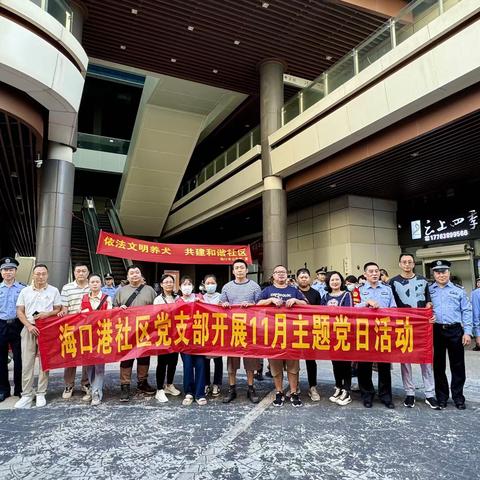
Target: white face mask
(211,288)
(186,289)
(351,287)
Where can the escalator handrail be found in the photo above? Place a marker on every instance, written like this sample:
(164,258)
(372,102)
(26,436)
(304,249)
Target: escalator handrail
(116,225)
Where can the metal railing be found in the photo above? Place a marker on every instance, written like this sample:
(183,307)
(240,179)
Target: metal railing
(58,9)
(410,20)
(102,144)
(116,226)
(239,148)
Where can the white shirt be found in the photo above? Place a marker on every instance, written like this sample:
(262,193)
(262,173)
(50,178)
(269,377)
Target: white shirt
(41,300)
(95,300)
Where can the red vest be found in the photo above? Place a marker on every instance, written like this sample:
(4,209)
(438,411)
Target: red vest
(86,303)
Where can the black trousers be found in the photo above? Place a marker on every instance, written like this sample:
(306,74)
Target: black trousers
(166,365)
(10,335)
(217,372)
(449,340)
(311,372)
(364,372)
(342,371)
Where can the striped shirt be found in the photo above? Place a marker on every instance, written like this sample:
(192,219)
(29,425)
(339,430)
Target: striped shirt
(72,295)
(237,293)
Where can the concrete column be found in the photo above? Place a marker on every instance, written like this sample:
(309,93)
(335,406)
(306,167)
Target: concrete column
(55,213)
(274,196)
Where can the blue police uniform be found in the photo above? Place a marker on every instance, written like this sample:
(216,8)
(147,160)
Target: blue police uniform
(110,291)
(320,288)
(475,300)
(453,318)
(383,295)
(10,329)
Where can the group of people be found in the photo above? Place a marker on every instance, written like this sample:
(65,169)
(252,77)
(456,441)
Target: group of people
(454,326)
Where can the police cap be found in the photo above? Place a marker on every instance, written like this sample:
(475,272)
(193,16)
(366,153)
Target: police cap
(108,276)
(321,270)
(441,265)
(8,262)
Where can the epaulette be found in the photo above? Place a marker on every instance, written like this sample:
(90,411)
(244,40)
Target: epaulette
(22,284)
(459,286)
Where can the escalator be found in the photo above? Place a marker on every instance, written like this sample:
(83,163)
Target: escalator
(85,232)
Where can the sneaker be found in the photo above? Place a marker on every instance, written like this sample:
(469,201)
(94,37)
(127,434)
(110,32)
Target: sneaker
(188,400)
(161,397)
(145,388)
(24,402)
(96,399)
(201,401)
(67,392)
(86,388)
(409,401)
(295,400)
(125,393)
(344,398)
(231,395)
(171,390)
(252,394)
(289,394)
(279,400)
(313,394)
(215,391)
(337,392)
(432,403)
(88,395)
(40,400)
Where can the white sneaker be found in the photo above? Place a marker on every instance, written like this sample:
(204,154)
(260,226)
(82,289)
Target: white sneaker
(161,397)
(88,394)
(95,399)
(40,400)
(344,398)
(86,388)
(171,390)
(313,394)
(188,400)
(201,401)
(24,402)
(215,391)
(67,392)
(335,395)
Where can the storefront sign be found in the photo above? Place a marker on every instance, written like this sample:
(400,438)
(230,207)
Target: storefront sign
(446,228)
(134,249)
(400,335)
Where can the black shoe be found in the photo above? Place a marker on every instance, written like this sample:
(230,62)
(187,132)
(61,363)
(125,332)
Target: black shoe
(17,393)
(432,403)
(279,400)
(252,394)
(367,404)
(442,405)
(461,405)
(4,396)
(259,376)
(295,400)
(125,393)
(146,388)
(389,404)
(231,395)
(409,401)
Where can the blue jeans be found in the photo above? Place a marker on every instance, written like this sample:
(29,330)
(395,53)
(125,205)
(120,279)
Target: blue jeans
(194,375)
(96,374)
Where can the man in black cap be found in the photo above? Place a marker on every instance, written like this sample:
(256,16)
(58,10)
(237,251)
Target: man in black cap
(109,288)
(452,332)
(10,327)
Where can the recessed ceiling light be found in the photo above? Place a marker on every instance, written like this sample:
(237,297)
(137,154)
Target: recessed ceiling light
(191,28)
(265,4)
(236,42)
(415,154)
(328,57)
(134,11)
(173,60)
(19,197)
(333,185)
(13,174)
(123,47)
(247,125)
(215,70)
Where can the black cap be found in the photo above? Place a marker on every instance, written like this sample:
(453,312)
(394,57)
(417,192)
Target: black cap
(321,270)
(441,265)
(8,262)
(108,276)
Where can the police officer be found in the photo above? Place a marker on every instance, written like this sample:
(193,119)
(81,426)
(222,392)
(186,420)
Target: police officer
(451,332)
(109,288)
(375,294)
(10,328)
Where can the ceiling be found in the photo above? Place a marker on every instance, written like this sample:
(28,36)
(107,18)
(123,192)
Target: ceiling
(189,39)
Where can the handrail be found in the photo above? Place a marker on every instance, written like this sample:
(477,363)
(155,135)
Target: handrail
(116,226)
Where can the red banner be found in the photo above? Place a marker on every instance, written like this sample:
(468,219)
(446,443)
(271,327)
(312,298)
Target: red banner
(134,249)
(399,335)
